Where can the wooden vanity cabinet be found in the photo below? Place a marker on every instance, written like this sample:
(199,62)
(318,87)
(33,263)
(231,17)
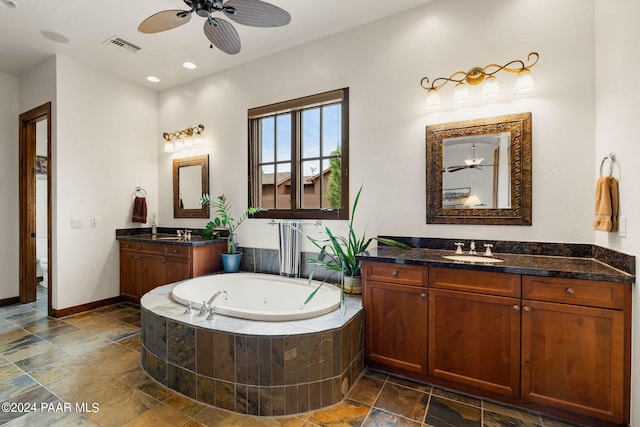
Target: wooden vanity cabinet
(576,346)
(395,304)
(145,266)
(474,329)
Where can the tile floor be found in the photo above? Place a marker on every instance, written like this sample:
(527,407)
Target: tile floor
(63,367)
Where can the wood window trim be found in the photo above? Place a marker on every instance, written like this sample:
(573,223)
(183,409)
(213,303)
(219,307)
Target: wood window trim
(298,104)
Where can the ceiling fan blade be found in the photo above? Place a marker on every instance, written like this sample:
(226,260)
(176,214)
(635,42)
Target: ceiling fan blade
(222,35)
(456,168)
(165,20)
(256,13)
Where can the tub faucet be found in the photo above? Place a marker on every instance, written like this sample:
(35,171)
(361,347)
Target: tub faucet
(216,295)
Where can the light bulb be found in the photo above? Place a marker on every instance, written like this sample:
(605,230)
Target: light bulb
(432,100)
(169,147)
(460,94)
(490,88)
(524,82)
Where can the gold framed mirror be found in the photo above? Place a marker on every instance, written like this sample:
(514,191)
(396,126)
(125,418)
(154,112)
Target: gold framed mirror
(190,181)
(479,171)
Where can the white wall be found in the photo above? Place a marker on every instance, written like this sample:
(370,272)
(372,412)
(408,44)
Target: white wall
(382,64)
(618,131)
(105,148)
(9,164)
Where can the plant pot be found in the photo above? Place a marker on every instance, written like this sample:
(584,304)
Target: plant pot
(231,262)
(353,285)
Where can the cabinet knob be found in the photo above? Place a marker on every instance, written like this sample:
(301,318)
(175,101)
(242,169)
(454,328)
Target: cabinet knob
(516,307)
(526,309)
(175,251)
(570,291)
(423,295)
(164,261)
(394,273)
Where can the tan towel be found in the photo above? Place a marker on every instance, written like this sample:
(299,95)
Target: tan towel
(139,210)
(606,204)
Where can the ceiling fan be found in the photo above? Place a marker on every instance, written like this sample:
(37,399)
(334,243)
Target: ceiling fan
(473,162)
(220,32)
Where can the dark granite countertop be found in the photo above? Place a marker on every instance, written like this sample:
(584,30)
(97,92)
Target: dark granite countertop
(165,236)
(535,265)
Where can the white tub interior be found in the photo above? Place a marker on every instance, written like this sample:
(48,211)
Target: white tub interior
(259,296)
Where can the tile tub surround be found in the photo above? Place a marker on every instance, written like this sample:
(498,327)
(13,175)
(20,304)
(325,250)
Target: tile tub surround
(252,367)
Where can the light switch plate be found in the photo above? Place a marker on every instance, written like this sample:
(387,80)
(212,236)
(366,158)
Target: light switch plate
(622,226)
(76,223)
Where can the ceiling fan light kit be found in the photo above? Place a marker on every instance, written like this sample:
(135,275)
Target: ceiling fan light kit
(221,34)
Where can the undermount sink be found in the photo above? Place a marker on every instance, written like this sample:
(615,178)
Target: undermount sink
(472,258)
(170,238)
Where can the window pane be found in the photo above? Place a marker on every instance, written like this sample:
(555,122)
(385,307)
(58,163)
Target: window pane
(311,133)
(331,129)
(311,184)
(283,125)
(332,183)
(267,144)
(283,186)
(266,187)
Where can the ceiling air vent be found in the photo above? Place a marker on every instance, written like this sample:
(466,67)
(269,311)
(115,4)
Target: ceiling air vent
(122,44)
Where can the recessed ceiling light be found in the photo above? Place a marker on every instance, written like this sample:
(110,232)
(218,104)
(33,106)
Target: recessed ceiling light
(53,36)
(189,65)
(153,79)
(9,3)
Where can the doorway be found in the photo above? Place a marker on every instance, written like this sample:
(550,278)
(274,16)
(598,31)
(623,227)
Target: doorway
(35,204)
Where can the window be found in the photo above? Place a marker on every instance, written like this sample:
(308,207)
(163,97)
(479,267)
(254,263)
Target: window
(298,154)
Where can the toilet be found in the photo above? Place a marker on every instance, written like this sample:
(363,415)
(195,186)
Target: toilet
(42,261)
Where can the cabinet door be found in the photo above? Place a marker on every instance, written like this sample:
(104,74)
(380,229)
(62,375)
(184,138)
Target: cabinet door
(396,325)
(129,275)
(177,270)
(153,272)
(475,340)
(573,358)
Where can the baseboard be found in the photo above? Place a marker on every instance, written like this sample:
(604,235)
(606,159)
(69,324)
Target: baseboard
(83,307)
(9,301)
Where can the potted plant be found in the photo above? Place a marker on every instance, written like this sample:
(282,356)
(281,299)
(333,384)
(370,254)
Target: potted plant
(338,255)
(222,208)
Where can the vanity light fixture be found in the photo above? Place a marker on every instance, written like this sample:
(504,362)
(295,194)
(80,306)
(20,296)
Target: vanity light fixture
(485,76)
(185,139)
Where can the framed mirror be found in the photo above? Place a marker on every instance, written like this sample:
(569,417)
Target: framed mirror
(190,181)
(479,171)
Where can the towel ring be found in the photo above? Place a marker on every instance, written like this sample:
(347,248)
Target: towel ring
(142,191)
(612,159)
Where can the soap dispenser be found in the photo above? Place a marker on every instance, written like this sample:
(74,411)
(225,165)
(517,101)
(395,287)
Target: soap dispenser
(154,229)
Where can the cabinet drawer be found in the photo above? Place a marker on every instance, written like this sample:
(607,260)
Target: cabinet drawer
(152,248)
(129,246)
(176,251)
(396,273)
(574,291)
(480,282)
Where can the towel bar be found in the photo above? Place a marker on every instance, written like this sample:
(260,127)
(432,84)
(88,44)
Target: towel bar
(612,160)
(142,191)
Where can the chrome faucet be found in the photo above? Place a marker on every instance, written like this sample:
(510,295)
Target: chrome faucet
(209,307)
(472,248)
(487,251)
(216,295)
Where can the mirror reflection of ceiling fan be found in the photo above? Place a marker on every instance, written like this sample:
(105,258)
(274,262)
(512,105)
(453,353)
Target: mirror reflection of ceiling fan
(473,162)
(221,33)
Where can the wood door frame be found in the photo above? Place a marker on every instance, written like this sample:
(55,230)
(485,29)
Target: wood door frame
(27,203)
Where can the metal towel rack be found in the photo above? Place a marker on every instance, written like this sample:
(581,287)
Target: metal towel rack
(612,160)
(140,192)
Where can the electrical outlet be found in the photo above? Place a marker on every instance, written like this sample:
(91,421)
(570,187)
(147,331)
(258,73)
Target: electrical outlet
(622,226)
(93,222)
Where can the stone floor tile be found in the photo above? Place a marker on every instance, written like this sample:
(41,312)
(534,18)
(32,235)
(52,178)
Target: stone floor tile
(408,402)
(187,406)
(451,395)
(123,408)
(366,390)
(512,412)
(9,371)
(380,418)
(346,413)
(159,416)
(16,386)
(445,413)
